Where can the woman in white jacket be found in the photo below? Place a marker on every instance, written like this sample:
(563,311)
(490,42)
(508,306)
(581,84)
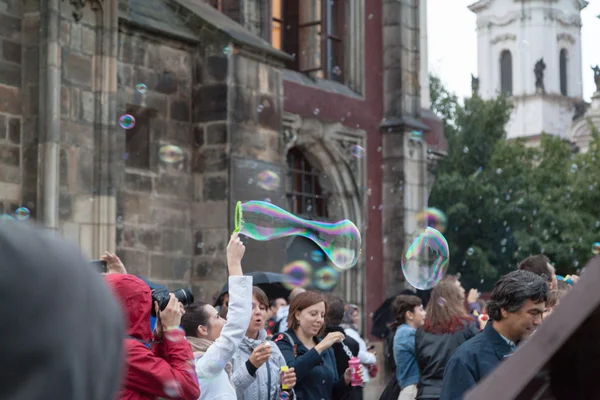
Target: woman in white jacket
(214,340)
(256,370)
(350,325)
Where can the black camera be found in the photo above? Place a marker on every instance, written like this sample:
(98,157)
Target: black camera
(161,296)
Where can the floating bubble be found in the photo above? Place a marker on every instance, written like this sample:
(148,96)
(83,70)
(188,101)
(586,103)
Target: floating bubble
(426,261)
(596,248)
(498,171)
(465,149)
(142,88)
(317,256)
(268,180)
(299,274)
(264,221)
(371,16)
(326,278)
(442,301)
(574,168)
(227,50)
(358,151)
(416,135)
(172,389)
(316,111)
(22,213)
(470,251)
(260,108)
(170,154)
(337,70)
(127,121)
(432,217)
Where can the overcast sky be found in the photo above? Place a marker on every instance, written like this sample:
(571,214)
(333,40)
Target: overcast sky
(453,44)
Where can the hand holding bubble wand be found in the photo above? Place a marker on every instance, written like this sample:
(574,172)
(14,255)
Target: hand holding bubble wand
(263,221)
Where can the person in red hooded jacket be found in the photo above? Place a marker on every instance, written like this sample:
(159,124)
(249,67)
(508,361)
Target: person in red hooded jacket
(163,368)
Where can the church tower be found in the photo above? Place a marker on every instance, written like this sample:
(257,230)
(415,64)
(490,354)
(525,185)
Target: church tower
(531,50)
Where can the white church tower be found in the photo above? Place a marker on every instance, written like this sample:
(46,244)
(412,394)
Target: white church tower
(516,37)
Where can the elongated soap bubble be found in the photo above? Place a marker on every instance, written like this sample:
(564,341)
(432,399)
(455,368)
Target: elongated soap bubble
(260,220)
(426,260)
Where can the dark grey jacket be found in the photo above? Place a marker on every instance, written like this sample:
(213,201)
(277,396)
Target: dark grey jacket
(62,330)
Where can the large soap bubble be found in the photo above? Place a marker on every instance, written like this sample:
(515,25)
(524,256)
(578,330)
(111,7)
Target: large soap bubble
(425,262)
(260,220)
(432,217)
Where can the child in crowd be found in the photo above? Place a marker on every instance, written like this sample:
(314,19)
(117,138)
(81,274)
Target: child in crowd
(409,317)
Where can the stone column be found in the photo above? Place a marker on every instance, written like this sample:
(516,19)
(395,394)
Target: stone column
(49,111)
(404,167)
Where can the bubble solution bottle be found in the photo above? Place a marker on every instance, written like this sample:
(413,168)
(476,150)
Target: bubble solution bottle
(354,363)
(284,393)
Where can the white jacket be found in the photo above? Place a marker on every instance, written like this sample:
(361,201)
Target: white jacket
(210,368)
(364,355)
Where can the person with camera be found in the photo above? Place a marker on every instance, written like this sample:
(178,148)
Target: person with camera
(215,340)
(160,368)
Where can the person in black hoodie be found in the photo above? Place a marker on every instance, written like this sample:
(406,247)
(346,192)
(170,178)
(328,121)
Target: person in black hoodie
(63,329)
(333,319)
(447,326)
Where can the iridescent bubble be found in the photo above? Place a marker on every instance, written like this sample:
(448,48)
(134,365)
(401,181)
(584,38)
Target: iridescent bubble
(416,135)
(337,70)
(268,180)
(170,154)
(432,217)
(316,111)
(260,108)
(264,221)
(127,121)
(426,260)
(498,171)
(317,256)
(227,50)
(358,151)
(299,274)
(470,251)
(326,278)
(142,88)
(22,213)
(596,248)
(465,149)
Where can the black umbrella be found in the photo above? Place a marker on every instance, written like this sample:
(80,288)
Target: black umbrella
(270,282)
(384,315)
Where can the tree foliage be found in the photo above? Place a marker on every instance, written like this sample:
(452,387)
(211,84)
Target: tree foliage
(505,201)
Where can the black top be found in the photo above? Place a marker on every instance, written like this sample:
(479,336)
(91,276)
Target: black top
(433,352)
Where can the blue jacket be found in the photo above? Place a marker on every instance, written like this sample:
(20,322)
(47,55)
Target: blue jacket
(407,370)
(473,361)
(316,375)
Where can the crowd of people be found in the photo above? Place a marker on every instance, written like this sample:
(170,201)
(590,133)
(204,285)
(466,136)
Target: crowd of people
(253,347)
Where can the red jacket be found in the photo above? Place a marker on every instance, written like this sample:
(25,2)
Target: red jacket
(167,370)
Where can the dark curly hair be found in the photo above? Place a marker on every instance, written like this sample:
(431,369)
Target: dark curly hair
(513,290)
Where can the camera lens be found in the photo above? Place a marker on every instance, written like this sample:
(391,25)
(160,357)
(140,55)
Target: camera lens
(184,296)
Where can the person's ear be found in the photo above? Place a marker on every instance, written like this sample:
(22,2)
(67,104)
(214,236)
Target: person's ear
(504,313)
(202,331)
(410,315)
(297,316)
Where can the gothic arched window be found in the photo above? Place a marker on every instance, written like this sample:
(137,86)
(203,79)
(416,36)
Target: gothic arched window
(304,193)
(563,72)
(506,73)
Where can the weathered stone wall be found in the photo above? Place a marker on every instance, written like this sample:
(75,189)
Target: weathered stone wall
(11,106)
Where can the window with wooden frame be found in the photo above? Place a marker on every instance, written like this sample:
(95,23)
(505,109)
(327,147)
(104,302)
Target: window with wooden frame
(231,8)
(305,195)
(312,31)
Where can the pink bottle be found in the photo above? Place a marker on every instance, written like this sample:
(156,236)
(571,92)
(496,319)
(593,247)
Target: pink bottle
(356,380)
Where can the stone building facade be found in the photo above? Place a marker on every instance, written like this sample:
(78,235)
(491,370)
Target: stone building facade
(236,88)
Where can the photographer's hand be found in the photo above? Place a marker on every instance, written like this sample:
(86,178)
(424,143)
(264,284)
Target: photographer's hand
(235,253)
(114,265)
(171,315)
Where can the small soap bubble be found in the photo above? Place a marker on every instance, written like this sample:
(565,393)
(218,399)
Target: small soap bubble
(416,135)
(574,168)
(298,273)
(371,16)
(432,217)
(142,88)
(498,171)
(22,213)
(326,278)
(171,154)
(358,151)
(426,260)
(172,389)
(337,70)
(316,111)
(470,251)
(317,256)
(503,242)
(227,50)
(127,121)
(260,108)
(442,301)
(596,248)
(268,180)
(465,149)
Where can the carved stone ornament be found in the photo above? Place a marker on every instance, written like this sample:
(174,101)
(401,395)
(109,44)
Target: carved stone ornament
(79,5)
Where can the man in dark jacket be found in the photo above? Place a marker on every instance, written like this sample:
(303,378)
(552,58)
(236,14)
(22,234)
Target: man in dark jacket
(515,309)
(333,319)
(62,335)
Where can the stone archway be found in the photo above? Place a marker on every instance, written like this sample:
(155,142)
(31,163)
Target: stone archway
(328,147)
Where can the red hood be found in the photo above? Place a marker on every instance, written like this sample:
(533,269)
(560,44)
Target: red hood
(136,300)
